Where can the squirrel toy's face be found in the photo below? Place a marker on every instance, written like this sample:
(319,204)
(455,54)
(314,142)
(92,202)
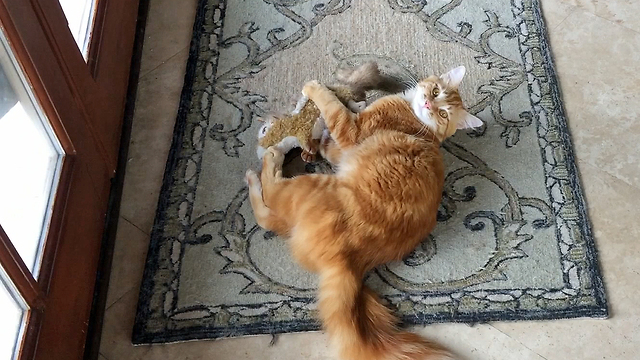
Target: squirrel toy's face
(264,129)
(262,132)
(284,145)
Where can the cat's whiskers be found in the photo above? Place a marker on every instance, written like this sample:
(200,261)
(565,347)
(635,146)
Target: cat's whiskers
(407,82)
(422,131)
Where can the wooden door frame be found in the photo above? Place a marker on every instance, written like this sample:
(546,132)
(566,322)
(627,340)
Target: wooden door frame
(102,67)
(86,115)
(94,332)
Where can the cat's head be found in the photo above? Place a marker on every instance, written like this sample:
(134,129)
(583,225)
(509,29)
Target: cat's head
(438,105)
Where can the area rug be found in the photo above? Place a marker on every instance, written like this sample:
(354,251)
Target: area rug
(513,240)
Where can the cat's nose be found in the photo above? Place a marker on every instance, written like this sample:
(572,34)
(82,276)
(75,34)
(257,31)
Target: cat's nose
(427,104)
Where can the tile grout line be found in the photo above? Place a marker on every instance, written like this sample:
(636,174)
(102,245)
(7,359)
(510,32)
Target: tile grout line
(106,312)
(135,226)
(604,18)
(573,10)
(133,288)
(144,75)
(518,341)
(636,187)
(617,24)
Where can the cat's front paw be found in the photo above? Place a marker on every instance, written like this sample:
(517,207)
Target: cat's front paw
(251,179)
(310,87)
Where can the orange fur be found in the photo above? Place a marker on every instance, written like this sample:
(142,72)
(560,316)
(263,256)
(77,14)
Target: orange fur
(379,205)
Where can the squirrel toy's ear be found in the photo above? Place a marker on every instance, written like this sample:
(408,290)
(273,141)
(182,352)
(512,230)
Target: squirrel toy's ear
(268,119)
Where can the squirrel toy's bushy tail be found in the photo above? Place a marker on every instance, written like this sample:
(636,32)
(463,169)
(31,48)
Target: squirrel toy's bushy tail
(361,327)
(368,77)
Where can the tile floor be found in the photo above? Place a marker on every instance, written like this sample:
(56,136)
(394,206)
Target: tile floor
(595,44)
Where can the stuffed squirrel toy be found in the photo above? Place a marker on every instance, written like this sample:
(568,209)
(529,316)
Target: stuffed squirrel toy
(304,127)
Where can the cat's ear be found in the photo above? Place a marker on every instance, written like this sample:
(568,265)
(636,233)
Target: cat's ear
(454,77)
(469,121)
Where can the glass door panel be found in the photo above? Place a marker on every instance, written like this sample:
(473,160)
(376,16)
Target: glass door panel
(80,15)
(12,309)
(30,161)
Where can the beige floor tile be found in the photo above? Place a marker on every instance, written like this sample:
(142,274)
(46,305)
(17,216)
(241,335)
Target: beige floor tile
(116,342)
(101,357)
(622,12)
(613,210)
(477,343)
(155,114)
(168,31)
(587,5)
(555,12)
(117,327)
(482,342)
(128,260)
(597,63)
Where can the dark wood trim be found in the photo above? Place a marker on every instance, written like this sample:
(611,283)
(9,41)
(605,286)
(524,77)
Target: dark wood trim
(94,332)
(94,84)
(19,273)
(112,68)
(68,304)
(55,223)
(71,63)
(30,335)
(96,37)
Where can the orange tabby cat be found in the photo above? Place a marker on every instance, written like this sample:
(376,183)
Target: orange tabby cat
(381,202)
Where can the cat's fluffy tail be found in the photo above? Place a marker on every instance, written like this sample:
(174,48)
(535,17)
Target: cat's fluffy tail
(368,77)
(363,328)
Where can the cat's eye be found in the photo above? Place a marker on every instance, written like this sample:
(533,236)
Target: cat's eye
(443,114)
(435,91)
